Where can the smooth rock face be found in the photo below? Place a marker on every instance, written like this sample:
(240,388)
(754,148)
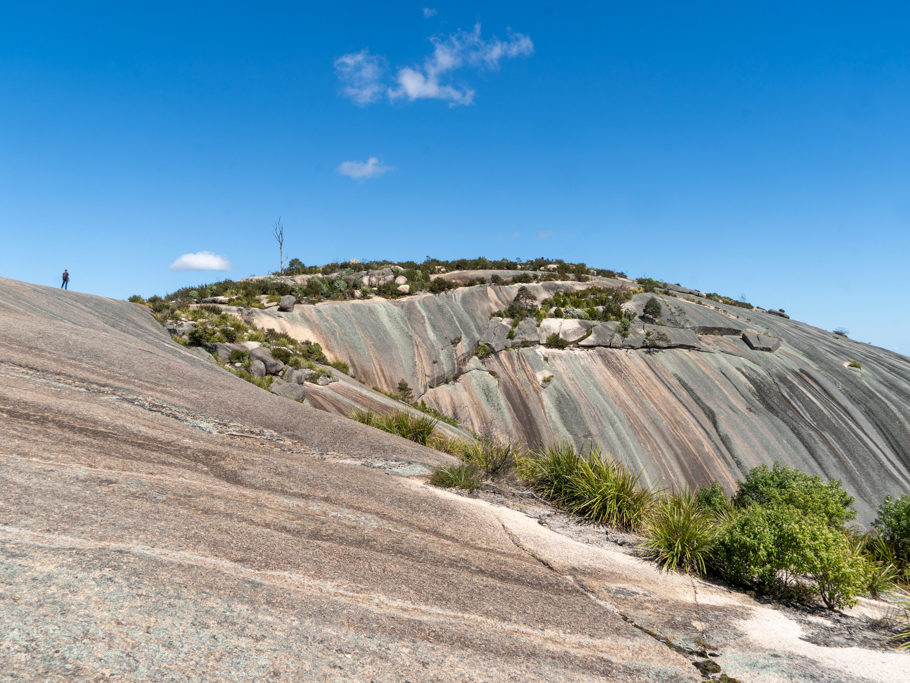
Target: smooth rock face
(686,415)
(264,356)
(294,391)
(287,302)
(760,342)
(570,330)
(525,332)
(257,368)
(155,505)
(497,334)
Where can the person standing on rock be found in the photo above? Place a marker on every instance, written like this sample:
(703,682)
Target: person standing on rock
(66,280)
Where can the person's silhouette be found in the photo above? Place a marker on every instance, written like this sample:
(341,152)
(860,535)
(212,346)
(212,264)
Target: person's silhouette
(66,280)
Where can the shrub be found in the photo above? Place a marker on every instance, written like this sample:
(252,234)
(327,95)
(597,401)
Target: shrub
(713,500)
(554,341)
(341,366)
(491,456)
(238,355)
(202,335)
(404,391)
(483,351)
(653,308)
(770,547)
(807,493)
(464,476)
(892,525)
(550,471)
(681,533)
(855,364)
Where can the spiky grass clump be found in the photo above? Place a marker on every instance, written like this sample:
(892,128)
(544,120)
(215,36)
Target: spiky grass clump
(589,484)
(463,476)
(550,471)
(416,428)
(491,456)
(680,533)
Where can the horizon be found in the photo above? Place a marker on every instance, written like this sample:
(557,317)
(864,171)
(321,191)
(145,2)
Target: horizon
(761,153)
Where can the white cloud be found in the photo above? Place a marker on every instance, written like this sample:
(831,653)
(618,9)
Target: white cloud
(544,234)
(428,12)
(360,74)
(361,170)
(201,260)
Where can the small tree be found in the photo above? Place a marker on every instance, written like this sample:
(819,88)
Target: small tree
(278,234)
(404,390)
(653,308)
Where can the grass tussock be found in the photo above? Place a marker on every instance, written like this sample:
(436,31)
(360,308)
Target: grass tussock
(415,428)
(680,533)
(463,476)
(589,484)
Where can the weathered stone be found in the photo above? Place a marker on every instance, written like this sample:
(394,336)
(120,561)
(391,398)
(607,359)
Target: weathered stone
(525,332)
(214,300)
(496,334)
(778,313)
(257,368)
(294,391)
(264,355)
(601,335)
(404,289)
(200,352)
(570,330)
(401,280)
(184,328)
(760,342)
(325,380)
(286,303)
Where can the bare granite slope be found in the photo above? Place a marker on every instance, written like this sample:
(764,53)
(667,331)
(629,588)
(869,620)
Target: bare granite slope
(709,406)
(161,519)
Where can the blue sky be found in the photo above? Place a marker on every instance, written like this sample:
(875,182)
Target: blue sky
(759,150)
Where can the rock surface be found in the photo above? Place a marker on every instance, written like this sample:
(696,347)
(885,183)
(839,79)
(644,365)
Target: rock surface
(699,408)
(287,302)
(163,519)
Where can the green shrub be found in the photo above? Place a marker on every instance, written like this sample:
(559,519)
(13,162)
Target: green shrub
(855,364)
(463,476)
(202,335)
(341,366)
(549,472)
(713,500)
(281,354)
(653,308)
(554,341)
(483,351)
(770,547)
(238,355)
(892,524)
(787,486)
(680,533)
(404,391)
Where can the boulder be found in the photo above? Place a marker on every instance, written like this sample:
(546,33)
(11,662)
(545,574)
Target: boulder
(760,342)
(286,303)
(223,351)
(296,375)
(404,289)
(297,392)
(525,332)
(257,368)
(601,335)
(779,314)
(272,365)
(325,380)
(401,280)
(214,300)
(496,334)
(173,327)
(569,330)
(200,352)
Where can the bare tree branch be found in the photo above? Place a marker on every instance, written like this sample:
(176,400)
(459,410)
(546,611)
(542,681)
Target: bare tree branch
(278,233)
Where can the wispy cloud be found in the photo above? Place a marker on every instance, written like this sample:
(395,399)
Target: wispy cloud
(201,260)
(544,234)
(362,74)
(361,170)
(428,12)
